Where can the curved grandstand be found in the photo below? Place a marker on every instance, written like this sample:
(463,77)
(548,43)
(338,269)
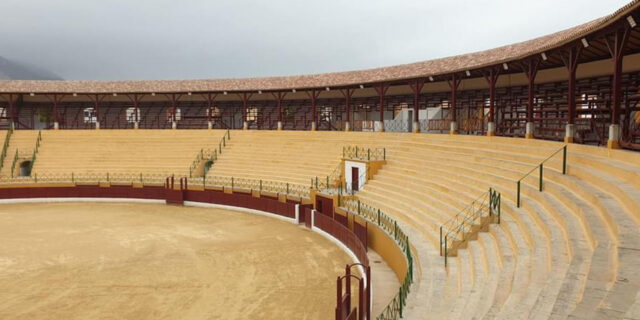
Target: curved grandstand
(519,211)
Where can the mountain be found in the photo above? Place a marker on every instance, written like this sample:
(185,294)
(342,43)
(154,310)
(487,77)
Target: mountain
(12,70)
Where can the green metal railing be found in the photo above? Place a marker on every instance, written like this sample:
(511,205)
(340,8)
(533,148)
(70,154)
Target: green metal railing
(5,146)
(158,179)
(13,163)
(330,183)
(35,151)
(209,154)
(393,310)
(457,230)
(246,184)
(540,168)
(365,154)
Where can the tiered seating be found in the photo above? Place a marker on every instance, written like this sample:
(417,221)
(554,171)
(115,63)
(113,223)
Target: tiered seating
(24,141)
(122,151)
(286,156)
(570,251)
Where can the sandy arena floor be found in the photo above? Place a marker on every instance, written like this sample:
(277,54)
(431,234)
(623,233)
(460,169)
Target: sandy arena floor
(144,261)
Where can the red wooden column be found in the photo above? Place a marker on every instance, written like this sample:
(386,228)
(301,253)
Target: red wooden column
(570,59)
(12,110)
(454,83)
(347,93)
(416,87)
(381,89)
(492,79)
(210,97)
(245,97)
(174,99)
(135,101)
(97,99)
(616,44)
(55,100)
(530,70)
(313,95)
(279,96)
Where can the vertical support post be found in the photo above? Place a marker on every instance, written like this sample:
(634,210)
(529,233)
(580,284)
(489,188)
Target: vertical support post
(55,99)
(174,108)
(339,299)
(570,59)
(361,303)
(564,160)
(454,83)
(135,101)
(530,70)
(347,93)
(97,99)
(381,89)
(492,79)
(518,195)
(12,111)
(313,95)
(445,251)
(616,46)
(279,96)
(245,101)
(210,97)
(416,88)
(540,184)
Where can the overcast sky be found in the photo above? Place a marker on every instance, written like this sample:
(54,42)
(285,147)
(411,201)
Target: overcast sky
(181,39)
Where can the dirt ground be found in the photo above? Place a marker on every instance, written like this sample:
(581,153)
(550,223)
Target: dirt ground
(147,261)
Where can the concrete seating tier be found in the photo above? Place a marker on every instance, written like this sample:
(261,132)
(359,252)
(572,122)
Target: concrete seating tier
(122,151)
(24,141)
(571,251)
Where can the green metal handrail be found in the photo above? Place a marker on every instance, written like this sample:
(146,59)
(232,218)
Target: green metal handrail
(457,229)
(211,155)
(394,309)
(540,168)
(13,164)
(5,146)
(362,153)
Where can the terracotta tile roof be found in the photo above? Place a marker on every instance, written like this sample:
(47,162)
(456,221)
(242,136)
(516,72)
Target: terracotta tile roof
(458,63)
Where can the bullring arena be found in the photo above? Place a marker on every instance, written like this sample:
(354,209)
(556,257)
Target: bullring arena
(497,184)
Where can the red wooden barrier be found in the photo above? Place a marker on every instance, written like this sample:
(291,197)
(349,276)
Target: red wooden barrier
(344,235)
(152,192)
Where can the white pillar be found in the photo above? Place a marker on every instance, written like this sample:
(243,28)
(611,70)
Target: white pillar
(569,133)
(174,125)
(97,125)
(453,128)
(210,125)
(379,126)
(313,126)
(347,126)
(491,129)
(614,137)
(56,126)
(416,127)
(245,126)
(279,125)
(135,125)
(529,130)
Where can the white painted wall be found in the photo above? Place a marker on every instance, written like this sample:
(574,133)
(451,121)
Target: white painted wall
(362,169)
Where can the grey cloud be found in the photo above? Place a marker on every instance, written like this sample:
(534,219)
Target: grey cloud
(165,39)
